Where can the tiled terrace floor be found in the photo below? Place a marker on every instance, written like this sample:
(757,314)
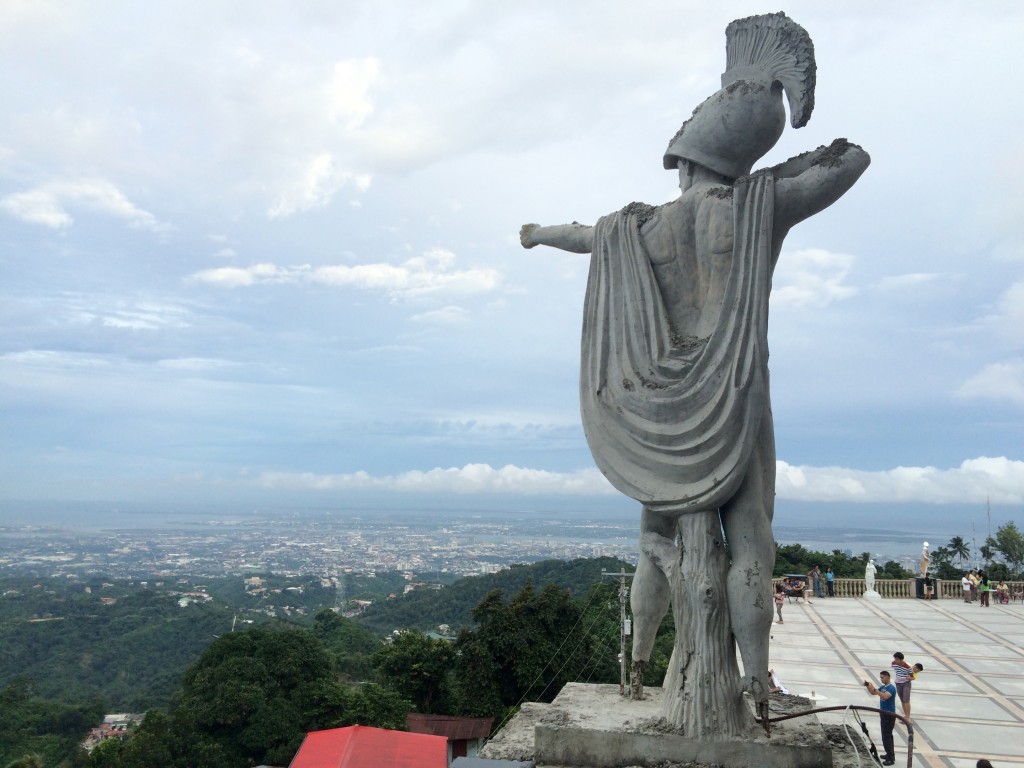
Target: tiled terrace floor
(968,703)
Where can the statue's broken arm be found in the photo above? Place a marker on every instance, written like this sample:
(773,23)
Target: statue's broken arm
(575,237)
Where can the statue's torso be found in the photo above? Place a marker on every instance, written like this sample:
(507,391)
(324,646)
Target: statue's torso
(689,243)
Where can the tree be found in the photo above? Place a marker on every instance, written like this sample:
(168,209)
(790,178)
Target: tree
(351,644)
(150,746)
(31,726)
(893,570)
(523,650)
(987,549)
(255,694)
(1010,544)
(419,667)
(959,548)
(941,564)
(27,761)
(376,705)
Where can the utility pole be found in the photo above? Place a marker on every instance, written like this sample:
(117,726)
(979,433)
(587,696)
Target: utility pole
(988,514)
(625,625)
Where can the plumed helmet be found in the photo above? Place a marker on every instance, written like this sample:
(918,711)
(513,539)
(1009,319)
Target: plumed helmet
(765,56)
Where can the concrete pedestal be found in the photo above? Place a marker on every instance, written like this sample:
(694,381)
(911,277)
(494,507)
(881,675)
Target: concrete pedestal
(592,726)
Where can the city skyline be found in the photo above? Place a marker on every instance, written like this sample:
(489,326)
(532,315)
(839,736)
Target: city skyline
(268,256)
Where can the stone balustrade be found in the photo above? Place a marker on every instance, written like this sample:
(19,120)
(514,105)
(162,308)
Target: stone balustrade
(907,588)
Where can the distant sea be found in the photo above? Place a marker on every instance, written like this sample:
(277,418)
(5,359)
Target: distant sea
(883,544)
(826,535)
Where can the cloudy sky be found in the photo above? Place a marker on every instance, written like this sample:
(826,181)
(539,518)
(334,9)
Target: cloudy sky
(266,253)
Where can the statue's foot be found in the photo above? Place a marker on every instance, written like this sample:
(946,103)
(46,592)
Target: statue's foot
(759,693)
(762,715)
(636,680)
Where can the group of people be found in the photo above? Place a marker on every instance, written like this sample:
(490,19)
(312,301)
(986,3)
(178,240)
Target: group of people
(816,577)
(894,685)
(978,588)
(792,586)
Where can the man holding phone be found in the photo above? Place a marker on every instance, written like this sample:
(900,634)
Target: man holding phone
(886,694)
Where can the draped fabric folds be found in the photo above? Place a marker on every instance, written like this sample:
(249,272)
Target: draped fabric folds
(671,421)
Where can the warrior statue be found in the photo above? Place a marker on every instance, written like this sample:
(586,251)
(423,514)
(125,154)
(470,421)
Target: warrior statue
(674,372)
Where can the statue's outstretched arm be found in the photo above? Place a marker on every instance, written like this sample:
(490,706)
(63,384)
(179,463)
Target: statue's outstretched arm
(574,237)
(811,182)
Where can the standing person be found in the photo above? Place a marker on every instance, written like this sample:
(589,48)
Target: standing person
(830,581)
(983,588)
(902,675)
(780,597)
(815,575)
(886,715)
(973,576)
(965,583)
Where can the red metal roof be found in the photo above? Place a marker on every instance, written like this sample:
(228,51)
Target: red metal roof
(360,746)
(453,728)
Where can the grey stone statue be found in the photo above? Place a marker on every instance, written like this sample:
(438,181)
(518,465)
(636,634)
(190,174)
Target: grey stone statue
(674,373)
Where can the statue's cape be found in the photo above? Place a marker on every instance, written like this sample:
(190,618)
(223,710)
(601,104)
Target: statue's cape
(672,422)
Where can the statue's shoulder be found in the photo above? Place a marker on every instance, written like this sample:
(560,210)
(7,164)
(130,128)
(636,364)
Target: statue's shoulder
(642,212)
(709,198)
(719,192)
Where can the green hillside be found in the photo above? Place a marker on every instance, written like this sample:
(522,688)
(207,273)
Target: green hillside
(425,609)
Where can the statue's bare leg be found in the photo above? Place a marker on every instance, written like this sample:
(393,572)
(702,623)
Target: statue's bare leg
(747,520)
(650,596)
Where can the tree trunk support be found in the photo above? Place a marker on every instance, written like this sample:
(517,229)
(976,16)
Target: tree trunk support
(703,694)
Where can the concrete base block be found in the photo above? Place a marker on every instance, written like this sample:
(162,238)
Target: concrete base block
(873,596)
(592,726)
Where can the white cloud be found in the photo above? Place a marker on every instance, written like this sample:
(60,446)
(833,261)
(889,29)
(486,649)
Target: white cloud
(195,364)
(472,478)
(85,310)
(811,277)
(431,273)
(47,204)
(1009,315)
(449,315)
(975,480)
(37,207)
(348,92)
(998,381)
(998,479)
(903,282)
(257,274)
(315,185)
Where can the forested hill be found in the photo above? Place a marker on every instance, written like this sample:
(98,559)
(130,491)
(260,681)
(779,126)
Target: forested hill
(425,609)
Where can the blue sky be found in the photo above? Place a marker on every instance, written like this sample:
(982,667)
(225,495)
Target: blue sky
(266,253)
